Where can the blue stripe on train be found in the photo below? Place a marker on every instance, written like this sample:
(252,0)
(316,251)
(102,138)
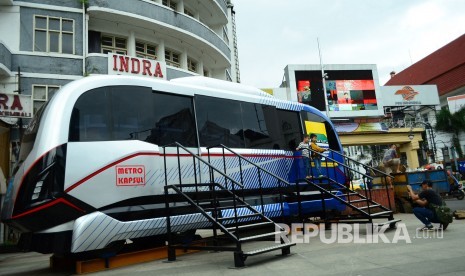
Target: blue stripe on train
(290,209)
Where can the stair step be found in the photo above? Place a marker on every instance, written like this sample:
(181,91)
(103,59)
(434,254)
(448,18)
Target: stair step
(370,206)
(268,249)
(211,200)
(350,194)
(223,208)
(249,226)
(358,200)
(388,222)
(381,213)
(194,185)
(318,178)
(241,217)
(256,237)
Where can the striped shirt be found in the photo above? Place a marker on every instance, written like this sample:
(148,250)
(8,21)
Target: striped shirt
(305,149)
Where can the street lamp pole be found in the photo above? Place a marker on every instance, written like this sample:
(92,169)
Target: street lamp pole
(324,76)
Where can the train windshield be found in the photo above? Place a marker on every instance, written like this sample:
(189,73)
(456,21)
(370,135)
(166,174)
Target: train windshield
(29,136)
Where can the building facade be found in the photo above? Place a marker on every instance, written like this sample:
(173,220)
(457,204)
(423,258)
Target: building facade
(364,113)
(444,68)
(45,44)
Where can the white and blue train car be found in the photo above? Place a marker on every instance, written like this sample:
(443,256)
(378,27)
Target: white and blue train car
(91,166)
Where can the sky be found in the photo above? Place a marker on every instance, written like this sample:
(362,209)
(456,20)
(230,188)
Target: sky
(393,34)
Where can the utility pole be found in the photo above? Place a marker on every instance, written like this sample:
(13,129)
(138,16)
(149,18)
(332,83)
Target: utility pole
(324,76)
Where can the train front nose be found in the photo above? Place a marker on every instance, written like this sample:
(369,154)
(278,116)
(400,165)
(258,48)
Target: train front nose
(36,200)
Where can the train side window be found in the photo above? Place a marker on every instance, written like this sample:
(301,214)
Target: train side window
(289,122)
(132,112)
(173,120)
(132,109)
(274,130)
(254,126)
(90,117)
(260,128)
(219,122)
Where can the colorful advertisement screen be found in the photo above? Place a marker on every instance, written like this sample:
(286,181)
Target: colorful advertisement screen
(346,90)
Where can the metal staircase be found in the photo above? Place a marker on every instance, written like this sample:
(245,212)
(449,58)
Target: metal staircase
(238,215)
(366,210)
(363,208)
(220,200)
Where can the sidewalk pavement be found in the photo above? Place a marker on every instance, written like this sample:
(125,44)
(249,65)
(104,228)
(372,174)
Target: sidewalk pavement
(427,253)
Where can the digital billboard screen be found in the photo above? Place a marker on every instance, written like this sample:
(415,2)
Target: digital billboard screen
(346,90)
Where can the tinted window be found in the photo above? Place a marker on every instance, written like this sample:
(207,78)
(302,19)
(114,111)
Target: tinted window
(90,120)
(254,126)
(289,122)
(128,112)
(132,110)
(219,122)
(174,121)
(30,135)
(260,127)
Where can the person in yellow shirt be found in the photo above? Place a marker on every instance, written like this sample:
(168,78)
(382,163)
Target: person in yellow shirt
(316,157)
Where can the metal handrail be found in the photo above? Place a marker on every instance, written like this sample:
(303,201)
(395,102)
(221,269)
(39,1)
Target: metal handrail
(360,163)
(376,170)
(342,164)
(259,168)
(206,163)
(252,163)
(403,123)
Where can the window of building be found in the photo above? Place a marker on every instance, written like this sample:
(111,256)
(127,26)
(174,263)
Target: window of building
(425,117)
(206,73)
(225,35)
(41,94)
(170,3)
(188,12)
(112,44)
(191,65)
(172,58)
(53,34)
(228,75)
(145,50)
